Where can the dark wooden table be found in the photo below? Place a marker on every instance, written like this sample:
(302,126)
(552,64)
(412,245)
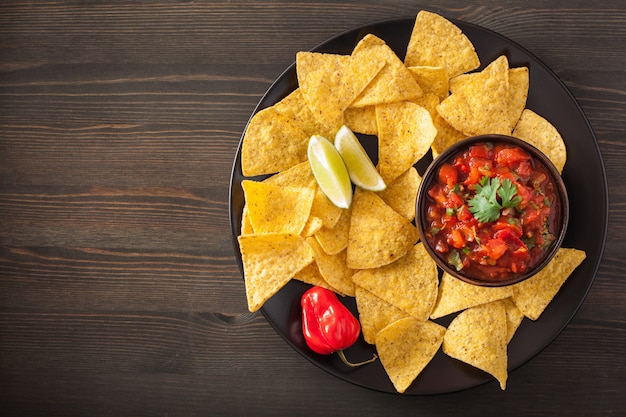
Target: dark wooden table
(119,288)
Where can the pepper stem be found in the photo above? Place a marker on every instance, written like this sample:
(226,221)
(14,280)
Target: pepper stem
(343,358)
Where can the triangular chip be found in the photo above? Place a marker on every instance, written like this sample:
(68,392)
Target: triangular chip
(296,108)
(275,209)
(478,336)
(456,295)
(410,283)
(361,119)
(401,194)
(432,80)
(514,318)
(333,268)
(405,133)
(331,82)
(533,295)
(299,175)
(437,42)
(540,133)
(310,274)
(446,135)
(335,239)
(375,313)
(481,104)
(393,83)
(269,262)
(273,142)
(312,226)
(405,347)
(378,234)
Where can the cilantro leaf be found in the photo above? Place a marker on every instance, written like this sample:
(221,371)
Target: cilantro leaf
(485,205)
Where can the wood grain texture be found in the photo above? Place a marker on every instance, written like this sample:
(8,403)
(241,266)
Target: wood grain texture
(119,289)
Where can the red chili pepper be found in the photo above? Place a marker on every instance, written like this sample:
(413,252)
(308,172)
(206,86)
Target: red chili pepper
(327,324)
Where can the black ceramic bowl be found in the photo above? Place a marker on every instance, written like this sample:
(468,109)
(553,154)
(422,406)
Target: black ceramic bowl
(559,212)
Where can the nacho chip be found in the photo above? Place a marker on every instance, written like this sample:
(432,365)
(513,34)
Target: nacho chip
(378,235)
(410,283)
(310,274)
(246,226)
(431,80)
(405,133)
(393,83)
(481,104)
(325,209)
(514,318)
(296,108)
(335,239)
(401,194)
(478,336)
(446,136)
(312,226)
(273,142)
(405,347)
(540,133)
(375,313)
(456,295)
(361,119)
(333,268)
(437,42)
(275,209)
(299,175)
(330,82)
(533,295)
(269,262)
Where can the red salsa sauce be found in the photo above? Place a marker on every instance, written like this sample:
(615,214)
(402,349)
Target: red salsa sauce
(492,212)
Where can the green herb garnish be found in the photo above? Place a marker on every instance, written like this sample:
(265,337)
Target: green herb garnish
(485,205)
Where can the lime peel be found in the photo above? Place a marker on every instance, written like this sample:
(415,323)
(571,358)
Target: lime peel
(330,171)
(361,170)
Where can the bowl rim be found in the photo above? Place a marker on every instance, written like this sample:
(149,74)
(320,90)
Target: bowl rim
(427,181)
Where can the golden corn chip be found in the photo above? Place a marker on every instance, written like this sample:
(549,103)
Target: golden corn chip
(437,42)
(378,234)
(533,295)
(393,83)
(246,226)
(335,239)
(275,209)
(429,101)
(325,209)
(273,142)
(330,82)
(310,274)
(361,119)
(312,226)
(375,313)
(410,283)
(432,80)
(406,347)
(401,194)
(333,268)
(299,175)
(456,295)
(269,262)
(478,336)
(540,133)
(446,136)
(514,318)
(296,107)
(481,104)
(405,133)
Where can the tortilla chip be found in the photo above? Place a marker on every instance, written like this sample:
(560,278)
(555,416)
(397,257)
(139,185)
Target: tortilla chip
(405,133)
(446,136)
(333,268)
(335,239)
(431,80)
(477,336)
(540,133)
(405,347)
(273,142)
(401,194)
(378,235)
(410,283)
(361,119)
(312,226)
(296,107)
(325,209)
(330,82)
(437,42)
(269,262)
(533,295)
(310,274)
(456,295)
(481,104)
(246,226)
(514,318)
(299,175)
(375,313)
(275,209)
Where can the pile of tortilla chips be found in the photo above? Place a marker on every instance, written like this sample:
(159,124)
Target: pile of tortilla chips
(370,251)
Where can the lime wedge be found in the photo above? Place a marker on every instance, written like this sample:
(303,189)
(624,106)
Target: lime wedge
(360,167)
(329,171)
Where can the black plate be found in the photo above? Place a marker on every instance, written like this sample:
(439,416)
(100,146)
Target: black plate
(584,177)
